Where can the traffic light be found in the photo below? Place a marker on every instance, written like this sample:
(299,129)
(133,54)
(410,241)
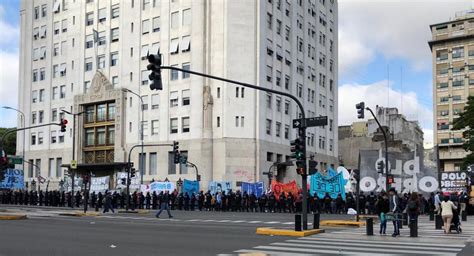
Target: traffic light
(133,173)
(300,167)
(123,181)
(390,179)
(360,110)
(177,155)
(297,149)
(63,124)
(312,167)
(154,66)
(380,166)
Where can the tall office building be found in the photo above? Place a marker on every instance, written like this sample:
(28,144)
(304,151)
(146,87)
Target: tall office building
(83,56)
(452,46)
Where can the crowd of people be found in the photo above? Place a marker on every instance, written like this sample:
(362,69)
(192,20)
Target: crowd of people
(371,203)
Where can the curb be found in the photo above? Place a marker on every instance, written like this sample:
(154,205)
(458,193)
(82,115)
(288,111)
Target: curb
(13,217)
(342,223)
(79,214)
(287,232)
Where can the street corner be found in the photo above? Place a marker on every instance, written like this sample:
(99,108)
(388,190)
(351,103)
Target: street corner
(12,217)
(342,223)
(287,232)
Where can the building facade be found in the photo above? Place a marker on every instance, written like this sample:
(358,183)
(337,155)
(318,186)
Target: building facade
(452,47)
(83,56)
(403,136)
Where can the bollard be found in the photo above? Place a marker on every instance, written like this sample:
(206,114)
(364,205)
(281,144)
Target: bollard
(405,218)
(316,221)
(370,226)
(413,228)
(464,216)
(297,222)
(431,216)
(438,221)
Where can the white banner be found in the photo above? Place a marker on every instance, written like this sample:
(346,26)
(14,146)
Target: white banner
(135,182)
(99,184)
(68,184)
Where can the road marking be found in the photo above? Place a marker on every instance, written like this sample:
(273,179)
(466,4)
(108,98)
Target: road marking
(255,221)
(287,223)
(223,221)
(192,220)
(271,222)
(238,221)
(376,242)
(259,252)
(286,249)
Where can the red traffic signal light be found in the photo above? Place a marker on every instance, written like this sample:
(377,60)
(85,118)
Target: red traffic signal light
(390,179)
(63,124)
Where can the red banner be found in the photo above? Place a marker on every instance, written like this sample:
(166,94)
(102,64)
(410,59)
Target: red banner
(289,187)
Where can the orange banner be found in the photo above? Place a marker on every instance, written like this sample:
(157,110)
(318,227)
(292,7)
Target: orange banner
(290,187)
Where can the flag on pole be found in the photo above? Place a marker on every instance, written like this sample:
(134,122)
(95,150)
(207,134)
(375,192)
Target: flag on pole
(41,179)
(96,35)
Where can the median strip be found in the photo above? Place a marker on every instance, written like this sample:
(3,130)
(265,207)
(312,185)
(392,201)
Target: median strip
(13,217)
(287,232)
(342,223)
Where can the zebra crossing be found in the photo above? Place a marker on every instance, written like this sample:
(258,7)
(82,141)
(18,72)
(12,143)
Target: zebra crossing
(355,242)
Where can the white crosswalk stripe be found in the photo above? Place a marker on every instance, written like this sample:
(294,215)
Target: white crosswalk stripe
(322,245)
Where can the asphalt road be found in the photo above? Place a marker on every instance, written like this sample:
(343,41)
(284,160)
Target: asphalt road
(188,233)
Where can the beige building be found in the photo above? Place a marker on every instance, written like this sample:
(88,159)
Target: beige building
(452,46)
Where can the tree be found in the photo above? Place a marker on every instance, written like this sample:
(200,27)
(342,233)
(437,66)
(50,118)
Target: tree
(9,145)
(466,121)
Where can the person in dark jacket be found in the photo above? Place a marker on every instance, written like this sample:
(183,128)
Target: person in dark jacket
(154,200)
(394,201)
(108,203)
(193,201)
(382,207)
(186,201)
(413,207)
(164,204)
(200,200)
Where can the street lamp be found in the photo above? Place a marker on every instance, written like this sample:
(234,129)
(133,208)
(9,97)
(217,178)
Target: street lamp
(73,149)
(142,166)
(23,126)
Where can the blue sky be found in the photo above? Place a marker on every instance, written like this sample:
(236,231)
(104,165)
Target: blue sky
(374,36)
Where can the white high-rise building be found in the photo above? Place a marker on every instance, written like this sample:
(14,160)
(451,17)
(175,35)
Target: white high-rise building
(80,55)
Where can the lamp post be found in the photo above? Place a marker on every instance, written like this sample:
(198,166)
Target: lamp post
(141,133)
(22,115)
(73,149)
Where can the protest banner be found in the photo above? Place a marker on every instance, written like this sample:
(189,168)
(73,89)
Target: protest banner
(13,179)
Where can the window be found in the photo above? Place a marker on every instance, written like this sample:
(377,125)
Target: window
(101,38)
(114,59)
(186,44)
(218,92)
(236,121)
(300,90)
(35,75)
(33,138)
(36,12)
(268,126)
(54,115)
(56,49)
(287,107)
(100,133)
(174,125)
(146,4)
(269,101)
(101,112)
(40,140)
(62,91)
(53,137)
(242,90)
(174,74)
(269,21)
(287,132)
(287,82)
(55,93)
(145,51)
(278,129)
(155,48)
(155,127)
(287,33)
(186,97)
(33,118)
(42,53)
(155,101)
(55,71)
(114,81)
(458,52)
(145,102)
(89,41)
(115,13)
(101,61)
(114,35)
(269,156)
(145,27)
(156,24)
(269,73)
(40,116)
(88,64)
(153,163)
(56,28)
(174,99)
(43,10)
(41,95)
(62,69)
(278,78)
(87,86)
(186,66)
(174,47)
(89,18)
(185,124)
(278,104)
(42,74)
(187,17)
(278,27)
(64,25)
(174,20)
(144,77)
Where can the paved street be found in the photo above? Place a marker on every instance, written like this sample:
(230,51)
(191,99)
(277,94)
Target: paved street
(188,233)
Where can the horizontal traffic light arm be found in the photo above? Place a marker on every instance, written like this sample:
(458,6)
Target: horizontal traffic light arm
(21,129)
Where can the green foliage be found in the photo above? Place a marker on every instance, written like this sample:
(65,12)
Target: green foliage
(466,120)
(10,141)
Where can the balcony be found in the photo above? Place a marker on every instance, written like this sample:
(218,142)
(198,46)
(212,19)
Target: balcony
(451,154)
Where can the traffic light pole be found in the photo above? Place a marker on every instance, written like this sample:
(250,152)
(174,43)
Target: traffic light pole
(129,167)
(387,171)
(302,130)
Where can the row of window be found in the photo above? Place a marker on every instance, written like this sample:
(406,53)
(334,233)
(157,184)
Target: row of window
(153,163)
(38,138)
(456,111)
(38,117)
(444,99)
(102,15)
(54,167)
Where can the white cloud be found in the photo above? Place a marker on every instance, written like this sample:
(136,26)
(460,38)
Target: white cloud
(8,87)
(396,29)
(9,34)
(379,94)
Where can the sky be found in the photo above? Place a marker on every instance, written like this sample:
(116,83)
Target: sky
(384,58)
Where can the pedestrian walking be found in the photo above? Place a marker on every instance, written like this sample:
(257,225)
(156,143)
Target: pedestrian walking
(395,210)
(447,207)
(382,207)
(413,208)
(164,204)
(108,202)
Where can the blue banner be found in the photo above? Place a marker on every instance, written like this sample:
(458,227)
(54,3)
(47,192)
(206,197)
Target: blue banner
(13,179)
(222,186)
(190,187)
(333,184)
(256,188)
